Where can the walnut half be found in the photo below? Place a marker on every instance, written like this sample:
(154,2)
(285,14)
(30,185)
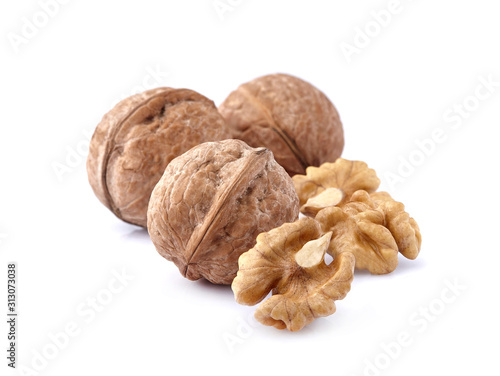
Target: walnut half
(371,225)
(289,260)
(332,184)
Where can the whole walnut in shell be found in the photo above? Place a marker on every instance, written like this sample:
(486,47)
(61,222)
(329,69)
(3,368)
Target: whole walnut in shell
(213,201)
(289,116)
(136,140)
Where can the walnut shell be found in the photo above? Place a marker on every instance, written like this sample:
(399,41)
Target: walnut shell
(213,201)
(289,116)
(136,140)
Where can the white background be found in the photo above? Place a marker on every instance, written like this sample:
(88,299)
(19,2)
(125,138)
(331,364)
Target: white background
(392,93)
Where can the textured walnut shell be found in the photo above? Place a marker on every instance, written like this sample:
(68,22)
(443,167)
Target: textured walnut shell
(288,116)
(136,140)
(212,202)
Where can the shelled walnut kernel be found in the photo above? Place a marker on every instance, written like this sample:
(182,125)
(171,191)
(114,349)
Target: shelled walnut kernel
(289,261)
(371,225)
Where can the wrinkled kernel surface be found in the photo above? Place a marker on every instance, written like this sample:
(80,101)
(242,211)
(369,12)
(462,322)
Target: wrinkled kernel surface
(300,294)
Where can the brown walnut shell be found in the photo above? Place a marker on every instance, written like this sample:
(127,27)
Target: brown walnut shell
(289,116)
(136,140)
(213,201)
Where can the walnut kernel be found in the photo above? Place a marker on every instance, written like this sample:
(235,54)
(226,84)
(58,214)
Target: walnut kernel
(375,228)
(289,261)
(341,179)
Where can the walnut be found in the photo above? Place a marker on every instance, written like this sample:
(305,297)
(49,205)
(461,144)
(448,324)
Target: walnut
(289,261)
(332,184)
(374,228)
(136,140)
(289,116)
(212,202)
(403,227)
(371,225)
